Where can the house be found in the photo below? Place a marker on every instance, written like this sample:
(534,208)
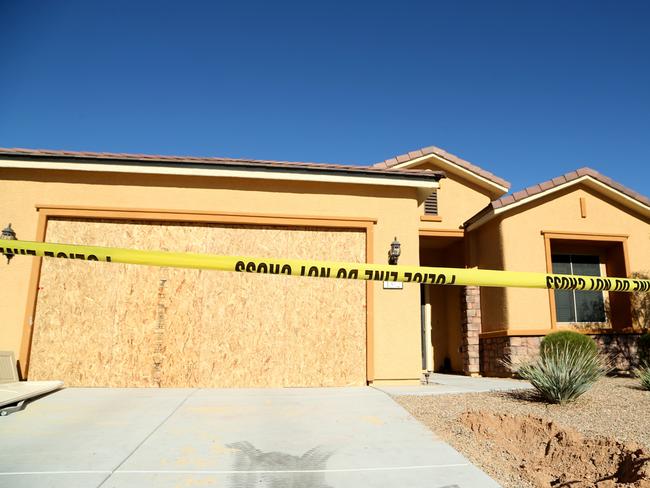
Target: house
(107,324)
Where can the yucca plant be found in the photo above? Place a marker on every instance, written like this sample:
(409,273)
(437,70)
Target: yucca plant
(643,374)
(563,372)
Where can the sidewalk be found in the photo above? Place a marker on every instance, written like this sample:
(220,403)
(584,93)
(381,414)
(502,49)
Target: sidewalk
(442,384)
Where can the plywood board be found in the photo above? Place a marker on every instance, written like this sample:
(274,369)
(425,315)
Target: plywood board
(101,324)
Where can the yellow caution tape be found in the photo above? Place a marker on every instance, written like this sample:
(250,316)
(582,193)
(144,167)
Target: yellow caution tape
(324,269)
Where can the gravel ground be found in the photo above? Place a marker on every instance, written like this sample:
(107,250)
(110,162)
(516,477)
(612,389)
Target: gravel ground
(615,407)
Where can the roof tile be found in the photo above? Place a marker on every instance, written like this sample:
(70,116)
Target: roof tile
(533,190)
(402,158)
(446,155)
(571,175)
(560,180)
(520,195)
(617,186)
(546,185)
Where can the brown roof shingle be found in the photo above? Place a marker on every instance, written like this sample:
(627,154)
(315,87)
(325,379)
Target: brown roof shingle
(403,158)
(509,199)
(567,177)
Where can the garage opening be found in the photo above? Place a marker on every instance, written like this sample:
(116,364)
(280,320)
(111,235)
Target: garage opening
(117,325)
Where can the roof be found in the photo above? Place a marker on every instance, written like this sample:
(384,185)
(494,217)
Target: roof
(216,162)
(572,177)
(404,159)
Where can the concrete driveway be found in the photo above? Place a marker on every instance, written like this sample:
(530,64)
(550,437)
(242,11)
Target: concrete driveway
(339,437)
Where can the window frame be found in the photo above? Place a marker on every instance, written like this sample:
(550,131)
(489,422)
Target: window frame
(616,244)
(602,269)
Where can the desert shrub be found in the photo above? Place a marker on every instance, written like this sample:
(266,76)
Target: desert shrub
(574,339)
(564,371)
(644,348)
(644,375)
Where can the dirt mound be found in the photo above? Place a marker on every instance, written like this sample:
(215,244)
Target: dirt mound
(553,457)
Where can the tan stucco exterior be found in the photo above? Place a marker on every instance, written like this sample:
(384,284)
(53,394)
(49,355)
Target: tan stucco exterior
(524,250)
(518,238)
(395,313)
(458,197)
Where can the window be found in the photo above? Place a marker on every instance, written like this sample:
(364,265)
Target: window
(578,305)
(431,204)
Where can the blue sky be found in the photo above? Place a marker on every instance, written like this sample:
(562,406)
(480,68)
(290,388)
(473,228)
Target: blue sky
(527,90)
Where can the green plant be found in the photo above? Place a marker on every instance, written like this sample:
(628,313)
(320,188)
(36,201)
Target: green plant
(574,339)
(643,374)
(564,371)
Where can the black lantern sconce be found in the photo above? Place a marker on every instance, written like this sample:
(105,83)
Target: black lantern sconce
(8,234)
(395,251)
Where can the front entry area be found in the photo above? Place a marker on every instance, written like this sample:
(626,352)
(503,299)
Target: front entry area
(442,307)
(116,325)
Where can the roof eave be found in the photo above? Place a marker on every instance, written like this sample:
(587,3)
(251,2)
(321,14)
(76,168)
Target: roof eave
(491,211)
(492,187)
(235,169)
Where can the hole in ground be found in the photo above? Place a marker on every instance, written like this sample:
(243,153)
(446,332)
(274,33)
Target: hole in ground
(551,456)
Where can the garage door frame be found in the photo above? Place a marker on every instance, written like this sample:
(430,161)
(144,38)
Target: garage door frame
(45,212)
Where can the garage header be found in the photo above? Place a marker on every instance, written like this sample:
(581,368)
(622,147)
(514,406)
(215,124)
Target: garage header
(324,269)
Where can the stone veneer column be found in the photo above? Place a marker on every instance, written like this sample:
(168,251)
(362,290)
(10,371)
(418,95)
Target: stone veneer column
(470,305)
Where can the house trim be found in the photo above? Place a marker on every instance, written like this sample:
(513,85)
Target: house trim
(587,180)
(577,236)
(223,170)
(450,165)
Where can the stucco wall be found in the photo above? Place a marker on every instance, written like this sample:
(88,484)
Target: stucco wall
(486,251)
(458,199)
(396,312)
(524,244)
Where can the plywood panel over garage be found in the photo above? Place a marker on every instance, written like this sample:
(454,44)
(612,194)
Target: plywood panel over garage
(103,324)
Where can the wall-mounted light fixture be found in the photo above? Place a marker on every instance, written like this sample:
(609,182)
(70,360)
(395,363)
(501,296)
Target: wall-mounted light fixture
(395,251)
(8,234)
